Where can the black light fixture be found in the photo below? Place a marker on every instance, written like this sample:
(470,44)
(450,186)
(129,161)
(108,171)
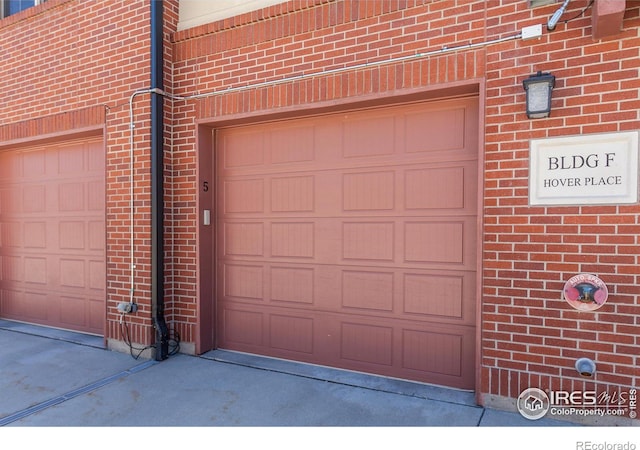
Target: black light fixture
(538,88)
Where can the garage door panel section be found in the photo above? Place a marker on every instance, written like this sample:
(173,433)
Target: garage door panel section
(52,235)
(259,148)
(349,240)
(427,352)
(426,242)
(393,190)
(438,297)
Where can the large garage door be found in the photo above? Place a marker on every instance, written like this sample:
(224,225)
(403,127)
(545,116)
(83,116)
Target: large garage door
(349,240)
(52,235)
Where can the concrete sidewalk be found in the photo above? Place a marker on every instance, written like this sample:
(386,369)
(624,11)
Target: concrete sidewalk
(52,378)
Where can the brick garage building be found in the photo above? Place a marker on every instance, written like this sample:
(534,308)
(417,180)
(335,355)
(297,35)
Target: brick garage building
(336,182)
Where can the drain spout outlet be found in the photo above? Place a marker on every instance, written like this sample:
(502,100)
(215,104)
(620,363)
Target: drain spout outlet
(586,367)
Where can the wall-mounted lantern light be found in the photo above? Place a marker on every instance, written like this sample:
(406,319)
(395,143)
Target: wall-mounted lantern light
(538,89)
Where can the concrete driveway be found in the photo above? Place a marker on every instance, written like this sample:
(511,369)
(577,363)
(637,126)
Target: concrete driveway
(53,378)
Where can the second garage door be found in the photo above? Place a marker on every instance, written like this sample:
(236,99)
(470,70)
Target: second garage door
(52,235)
(349,240)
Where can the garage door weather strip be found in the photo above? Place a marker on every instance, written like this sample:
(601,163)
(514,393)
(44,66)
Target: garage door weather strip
(73,394)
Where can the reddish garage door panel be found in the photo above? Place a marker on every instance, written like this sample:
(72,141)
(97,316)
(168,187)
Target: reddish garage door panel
(411,243)
(350,240)
(438,297)
(406,133)
(405,349)
(52,235)
(417,189)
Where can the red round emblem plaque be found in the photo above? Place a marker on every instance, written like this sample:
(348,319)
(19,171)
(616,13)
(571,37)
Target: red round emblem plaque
(585,292)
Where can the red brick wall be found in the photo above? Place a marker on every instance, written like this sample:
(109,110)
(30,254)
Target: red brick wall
(531,337)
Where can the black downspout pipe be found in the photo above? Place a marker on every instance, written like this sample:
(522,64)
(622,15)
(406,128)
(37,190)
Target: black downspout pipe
(157,184)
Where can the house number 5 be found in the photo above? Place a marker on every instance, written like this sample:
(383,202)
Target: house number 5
(205,186)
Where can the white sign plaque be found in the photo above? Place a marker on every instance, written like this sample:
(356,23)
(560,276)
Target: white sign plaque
(593,169)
